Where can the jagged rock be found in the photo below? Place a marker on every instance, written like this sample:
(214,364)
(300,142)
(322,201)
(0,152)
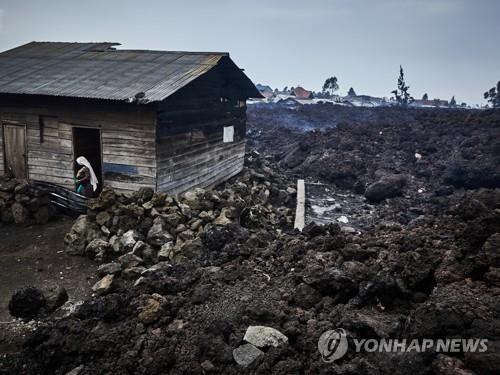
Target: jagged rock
(173,220)
(55,297)
(116,244)
(493,276)
(19,213)
(193,198)
(180,228)
(246,354)
(215,237)
(445,365)
(106,199)
(158,235)
(305,296)
(7,186)
(332,282)
(149,255)
(152,310)
(387,187)
(486,362)
(207,366)
(148,205)
(82,232)
(77,370)
(206,216)
(262,336)
(492,249)
(75,244)
(103,218)
(109,269)
(188,249)
(371,323)
(186,210)
(130,260)
(166,252)
(354,251)
(132,273)
(195,225)
(27,303)
(105,230)
(139,248)
(97,246)
(21,188)
(187,235)
(104,285)
(145,194)
(157,268)
(158,198)
(222,219)
(129,239)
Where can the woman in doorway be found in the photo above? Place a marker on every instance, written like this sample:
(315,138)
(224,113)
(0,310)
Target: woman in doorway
(86,181)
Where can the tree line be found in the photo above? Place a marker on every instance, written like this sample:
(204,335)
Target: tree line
(402,96)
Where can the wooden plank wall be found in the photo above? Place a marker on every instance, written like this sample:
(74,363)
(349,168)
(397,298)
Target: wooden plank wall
(190,151)
(2,162)
(127,132)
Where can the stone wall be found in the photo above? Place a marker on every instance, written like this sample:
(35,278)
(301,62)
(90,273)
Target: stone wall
(21,203)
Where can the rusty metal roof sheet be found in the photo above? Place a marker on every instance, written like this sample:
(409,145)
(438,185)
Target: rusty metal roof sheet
(99,71)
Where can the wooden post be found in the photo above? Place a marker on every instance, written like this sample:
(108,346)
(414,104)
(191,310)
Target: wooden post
(301,202)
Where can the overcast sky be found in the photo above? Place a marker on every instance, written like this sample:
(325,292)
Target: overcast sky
(447,47)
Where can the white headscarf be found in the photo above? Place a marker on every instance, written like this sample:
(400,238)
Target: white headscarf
(82,160)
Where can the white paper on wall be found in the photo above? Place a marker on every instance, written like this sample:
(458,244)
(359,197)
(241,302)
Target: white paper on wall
(228,134)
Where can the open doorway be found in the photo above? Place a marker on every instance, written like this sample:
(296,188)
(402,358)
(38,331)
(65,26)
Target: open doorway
(87,143)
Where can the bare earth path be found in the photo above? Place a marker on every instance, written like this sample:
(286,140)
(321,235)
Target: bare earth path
(34,256)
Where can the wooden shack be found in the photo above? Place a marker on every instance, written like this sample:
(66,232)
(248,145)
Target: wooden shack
(165,120)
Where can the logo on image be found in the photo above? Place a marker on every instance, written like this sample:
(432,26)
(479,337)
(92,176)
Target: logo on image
(333,345)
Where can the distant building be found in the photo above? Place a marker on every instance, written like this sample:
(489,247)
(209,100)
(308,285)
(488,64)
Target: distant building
(364,101)
(301,93)
(266,91)
(434,103)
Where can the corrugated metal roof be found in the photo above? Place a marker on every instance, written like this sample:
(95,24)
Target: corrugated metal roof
(97,70)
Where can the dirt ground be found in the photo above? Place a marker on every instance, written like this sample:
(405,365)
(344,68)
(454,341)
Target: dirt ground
(34,256)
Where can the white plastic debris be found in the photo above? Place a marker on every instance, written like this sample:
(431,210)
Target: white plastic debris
(343,219)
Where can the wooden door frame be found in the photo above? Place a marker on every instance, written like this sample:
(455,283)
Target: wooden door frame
(3,123)
(100,148)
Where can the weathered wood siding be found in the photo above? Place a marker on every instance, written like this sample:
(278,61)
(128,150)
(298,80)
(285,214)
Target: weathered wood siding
(190,150)
(2,162)
(127,136)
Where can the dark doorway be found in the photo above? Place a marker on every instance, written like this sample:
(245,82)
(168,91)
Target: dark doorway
(87,143)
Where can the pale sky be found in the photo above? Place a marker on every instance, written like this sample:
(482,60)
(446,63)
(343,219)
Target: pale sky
(447,47)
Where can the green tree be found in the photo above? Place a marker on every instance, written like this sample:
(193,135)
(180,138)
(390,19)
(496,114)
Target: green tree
(493,96)
(351,92)
(401,94)
(330,86)
(425,97)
